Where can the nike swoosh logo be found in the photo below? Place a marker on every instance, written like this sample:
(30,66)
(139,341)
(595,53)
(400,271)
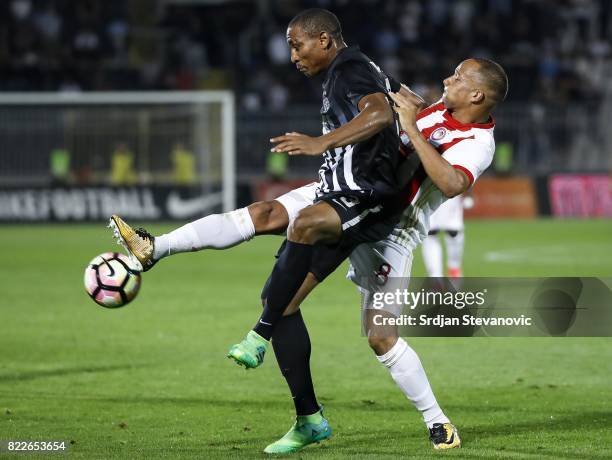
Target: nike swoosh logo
(263,322)
(181,208)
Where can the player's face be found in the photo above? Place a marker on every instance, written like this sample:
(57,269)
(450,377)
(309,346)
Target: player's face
(459,88)
(307,53)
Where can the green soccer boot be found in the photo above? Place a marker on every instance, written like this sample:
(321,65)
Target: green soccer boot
(250,352)
(307,429)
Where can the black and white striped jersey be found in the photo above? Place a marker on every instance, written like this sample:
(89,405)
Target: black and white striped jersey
(366,168)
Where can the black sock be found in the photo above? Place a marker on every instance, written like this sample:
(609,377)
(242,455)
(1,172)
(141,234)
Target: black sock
(292,349)
(287,276)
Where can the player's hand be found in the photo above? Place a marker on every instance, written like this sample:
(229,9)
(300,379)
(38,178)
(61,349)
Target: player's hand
(298,144)
(407,105)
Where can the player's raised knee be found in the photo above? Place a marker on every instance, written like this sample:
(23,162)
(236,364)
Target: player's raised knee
(315,224)
(305,228)
(268,217)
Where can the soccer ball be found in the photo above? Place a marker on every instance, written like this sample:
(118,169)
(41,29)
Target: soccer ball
(111,281)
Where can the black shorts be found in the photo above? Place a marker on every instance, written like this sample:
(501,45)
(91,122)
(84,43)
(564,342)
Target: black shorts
(364,220)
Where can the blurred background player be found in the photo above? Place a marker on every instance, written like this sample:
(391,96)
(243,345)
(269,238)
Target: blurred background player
(447,223)
(123,171)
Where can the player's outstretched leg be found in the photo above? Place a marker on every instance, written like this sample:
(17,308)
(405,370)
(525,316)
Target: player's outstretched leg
(306,430)
(250,352)
(138,243)
(215,231)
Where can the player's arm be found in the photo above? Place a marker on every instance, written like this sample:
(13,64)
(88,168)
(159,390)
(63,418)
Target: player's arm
(449,180)
(374,115)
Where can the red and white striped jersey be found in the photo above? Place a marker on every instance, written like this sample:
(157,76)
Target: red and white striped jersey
(468,147)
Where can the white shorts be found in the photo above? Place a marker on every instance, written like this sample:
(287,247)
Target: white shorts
(296,200)
(449,216)
(378,268)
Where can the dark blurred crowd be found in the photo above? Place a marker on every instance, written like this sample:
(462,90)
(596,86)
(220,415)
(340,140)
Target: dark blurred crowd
(553,50)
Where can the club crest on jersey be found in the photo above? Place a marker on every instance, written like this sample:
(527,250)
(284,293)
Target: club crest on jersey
(438,134)
(325,107)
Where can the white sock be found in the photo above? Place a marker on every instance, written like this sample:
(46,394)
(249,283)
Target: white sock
(407,371)
(454,249)
(217,231)
(432,256)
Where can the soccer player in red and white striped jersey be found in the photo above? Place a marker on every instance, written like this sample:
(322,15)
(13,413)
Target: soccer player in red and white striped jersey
(456,152)
(454,141)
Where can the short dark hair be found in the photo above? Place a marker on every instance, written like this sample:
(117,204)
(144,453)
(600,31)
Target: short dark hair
(495,78)
(316,20)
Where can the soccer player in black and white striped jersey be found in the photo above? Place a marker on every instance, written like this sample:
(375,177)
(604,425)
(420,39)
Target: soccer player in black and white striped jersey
(362,173)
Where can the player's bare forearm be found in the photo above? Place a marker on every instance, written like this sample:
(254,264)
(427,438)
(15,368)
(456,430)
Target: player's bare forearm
(375,115)
(449,180)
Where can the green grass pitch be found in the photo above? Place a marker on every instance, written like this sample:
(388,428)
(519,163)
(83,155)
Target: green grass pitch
(151,380)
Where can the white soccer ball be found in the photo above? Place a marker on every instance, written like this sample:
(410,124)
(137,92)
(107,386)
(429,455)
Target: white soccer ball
(111,281)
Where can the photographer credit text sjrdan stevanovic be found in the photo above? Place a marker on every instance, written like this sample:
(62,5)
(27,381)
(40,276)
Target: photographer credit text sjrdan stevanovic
(433,307)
